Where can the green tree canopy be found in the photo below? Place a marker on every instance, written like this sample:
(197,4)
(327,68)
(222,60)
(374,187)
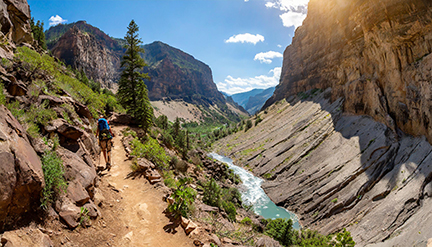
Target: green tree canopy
(38,33)
(132,92)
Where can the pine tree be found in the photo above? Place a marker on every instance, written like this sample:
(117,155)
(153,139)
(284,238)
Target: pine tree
(132,92)
(38,33)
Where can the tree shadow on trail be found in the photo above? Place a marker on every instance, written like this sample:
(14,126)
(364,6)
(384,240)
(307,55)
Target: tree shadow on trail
(135,174)
(175,222)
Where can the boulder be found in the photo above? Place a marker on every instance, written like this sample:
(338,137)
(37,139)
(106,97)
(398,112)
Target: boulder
(14,19)
(266,241)
(82,110)
(98,198)
(190,227)
(77,169)
(207,208)
(144,164)
(68,212)
(121,119)
(53,100)
(25,237)
(20,170)
(17,88)
(77,193)
(64,128)
(153,174)
(215,239)
(92,210)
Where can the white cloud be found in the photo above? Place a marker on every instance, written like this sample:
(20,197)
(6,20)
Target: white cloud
(266,57)
(270,5)
(294,11)
(55,20)
(245,37)
(290,19)
(233,85)
(279,46)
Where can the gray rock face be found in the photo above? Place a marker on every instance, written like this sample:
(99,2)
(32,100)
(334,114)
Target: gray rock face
(20,170)
(338,170)
(83,51)
(374,54)
(14,20)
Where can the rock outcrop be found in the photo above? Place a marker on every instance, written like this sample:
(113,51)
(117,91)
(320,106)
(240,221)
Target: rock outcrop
(21,172)
(14,25)
(337,170)
(84,52)
(374,54)
(177,75)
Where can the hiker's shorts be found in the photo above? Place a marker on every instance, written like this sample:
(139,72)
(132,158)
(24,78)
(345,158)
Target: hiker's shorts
(105,145)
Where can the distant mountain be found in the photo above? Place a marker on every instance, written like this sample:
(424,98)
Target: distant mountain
(253,100)
(54,33)
(96,55)
(178,75)
(243,98)
(175,75)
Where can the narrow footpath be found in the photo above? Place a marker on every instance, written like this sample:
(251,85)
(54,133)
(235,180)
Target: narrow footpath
(140,206)
(131,211)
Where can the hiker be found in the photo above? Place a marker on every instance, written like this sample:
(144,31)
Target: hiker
(105,135)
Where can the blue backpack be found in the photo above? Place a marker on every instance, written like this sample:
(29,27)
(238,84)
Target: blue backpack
(104,129)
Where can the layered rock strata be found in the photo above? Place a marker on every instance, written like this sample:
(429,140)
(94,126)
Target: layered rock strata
(337,170)
(374,54)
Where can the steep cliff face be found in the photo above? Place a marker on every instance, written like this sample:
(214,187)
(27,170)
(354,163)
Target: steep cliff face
(85,52)
(176,74)
(14,25)
(337,170)
(374,54)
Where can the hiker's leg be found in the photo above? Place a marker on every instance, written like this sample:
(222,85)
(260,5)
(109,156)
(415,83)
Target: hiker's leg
(103,145)
(109,145)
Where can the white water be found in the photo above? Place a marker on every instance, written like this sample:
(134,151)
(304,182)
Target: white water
(253,194)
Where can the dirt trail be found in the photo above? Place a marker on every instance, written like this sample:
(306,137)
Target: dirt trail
(140,207)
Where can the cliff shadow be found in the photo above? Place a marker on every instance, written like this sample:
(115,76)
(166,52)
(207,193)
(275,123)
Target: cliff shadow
(326,162)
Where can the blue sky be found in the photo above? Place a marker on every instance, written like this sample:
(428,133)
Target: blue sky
(242,41)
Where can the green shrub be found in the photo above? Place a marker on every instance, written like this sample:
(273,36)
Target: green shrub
(232,195)
(344,239)
(246,221)
(281,230)
(152,151)
(179,164)
(55,183)
(34,117)
(258,120)
(248,125)
(2,96)
(84,218)
(64,81)
(309,237)
(128,132)
(212,193)
(184,198)
(169,179)
(230,209)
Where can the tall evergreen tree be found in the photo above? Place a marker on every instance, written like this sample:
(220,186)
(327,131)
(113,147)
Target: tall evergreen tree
(132,92)
(38,33)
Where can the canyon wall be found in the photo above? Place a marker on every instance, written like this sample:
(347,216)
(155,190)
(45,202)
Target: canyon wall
(337,170)
(374,54)
(85,52)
